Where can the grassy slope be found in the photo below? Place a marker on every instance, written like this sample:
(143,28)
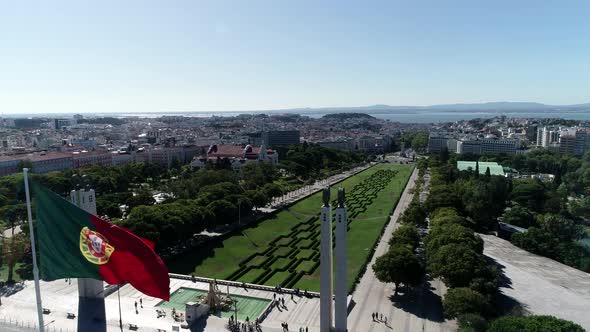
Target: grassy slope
(223,258)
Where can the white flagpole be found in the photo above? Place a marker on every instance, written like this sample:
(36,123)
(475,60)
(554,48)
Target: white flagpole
(34,252)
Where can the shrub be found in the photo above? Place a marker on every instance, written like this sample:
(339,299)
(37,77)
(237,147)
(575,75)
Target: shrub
(459,301)
(533,324)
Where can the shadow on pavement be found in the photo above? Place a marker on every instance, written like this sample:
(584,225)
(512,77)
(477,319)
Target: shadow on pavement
(11,289)
(503,280)
(422,303)
(199,325)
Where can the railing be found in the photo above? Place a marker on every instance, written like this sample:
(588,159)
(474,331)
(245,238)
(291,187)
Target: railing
(240,284)
(25,326)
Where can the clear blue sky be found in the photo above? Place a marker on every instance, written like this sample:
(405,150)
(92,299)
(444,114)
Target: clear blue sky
(125,56)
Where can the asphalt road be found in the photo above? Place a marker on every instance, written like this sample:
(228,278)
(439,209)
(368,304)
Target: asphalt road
(418,311)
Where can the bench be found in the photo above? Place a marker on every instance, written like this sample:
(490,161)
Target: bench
(46,311)
(71,315)
(133,327)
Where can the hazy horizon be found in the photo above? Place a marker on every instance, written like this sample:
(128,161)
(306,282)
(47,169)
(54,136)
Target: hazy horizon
(133,56)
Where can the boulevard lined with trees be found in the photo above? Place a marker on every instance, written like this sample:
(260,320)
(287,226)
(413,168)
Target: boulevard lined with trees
(460,204)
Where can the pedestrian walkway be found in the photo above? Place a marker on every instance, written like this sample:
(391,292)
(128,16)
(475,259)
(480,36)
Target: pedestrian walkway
(418,312)
(301,193)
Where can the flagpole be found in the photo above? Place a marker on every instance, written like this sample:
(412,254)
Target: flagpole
(119,297)
(34,252)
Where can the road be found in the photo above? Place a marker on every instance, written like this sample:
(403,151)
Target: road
(419,311)
(541,285)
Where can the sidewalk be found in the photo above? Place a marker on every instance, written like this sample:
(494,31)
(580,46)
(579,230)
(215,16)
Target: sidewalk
(417,312)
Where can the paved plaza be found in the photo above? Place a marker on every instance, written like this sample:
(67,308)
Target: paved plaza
(541,285)
(61,298)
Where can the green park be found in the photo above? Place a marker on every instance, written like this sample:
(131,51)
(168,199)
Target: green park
(283,248)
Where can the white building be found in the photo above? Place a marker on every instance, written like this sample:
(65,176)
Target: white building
(488,146)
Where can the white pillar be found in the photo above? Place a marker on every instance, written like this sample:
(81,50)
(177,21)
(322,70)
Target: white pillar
(86,200)
(91,306)
(341,282)
(326,289)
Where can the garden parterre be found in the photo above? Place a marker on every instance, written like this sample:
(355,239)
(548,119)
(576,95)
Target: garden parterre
(284,248)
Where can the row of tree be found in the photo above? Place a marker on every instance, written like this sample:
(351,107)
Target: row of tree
(311,161)
(460,202)
(206,199)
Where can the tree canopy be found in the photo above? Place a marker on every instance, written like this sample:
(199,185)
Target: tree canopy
(399,266)
(533,324)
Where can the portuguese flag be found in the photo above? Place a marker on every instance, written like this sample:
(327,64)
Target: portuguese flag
(76,244)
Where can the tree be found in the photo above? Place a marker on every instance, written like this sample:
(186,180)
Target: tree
(420,141)
(472,323)
(272,190)
(562,228)
(477,168)
(13,215)
(456,264)
(14,248)
(444,217)
(520,216)
(530,194)
(258,198)
(441,196)
(414,214)
(141,197)
(406,235)
(452,234)
(223,211)
(463,300)
(399,266)
(533,324)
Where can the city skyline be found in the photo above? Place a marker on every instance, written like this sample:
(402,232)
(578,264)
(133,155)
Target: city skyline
(222,56)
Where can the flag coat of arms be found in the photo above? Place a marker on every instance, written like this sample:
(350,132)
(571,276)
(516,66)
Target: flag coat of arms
(76,244)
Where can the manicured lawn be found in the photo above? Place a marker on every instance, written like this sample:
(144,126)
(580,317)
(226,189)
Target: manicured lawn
(371,195)
(251,275)
(278,278)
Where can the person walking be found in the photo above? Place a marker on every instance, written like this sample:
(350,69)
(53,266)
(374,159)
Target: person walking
(373,316)
(140,302)
(381,316)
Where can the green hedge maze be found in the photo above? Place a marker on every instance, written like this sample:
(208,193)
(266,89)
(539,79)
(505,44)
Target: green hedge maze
(292,258)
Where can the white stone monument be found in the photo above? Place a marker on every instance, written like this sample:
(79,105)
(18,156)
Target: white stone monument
(86,200)
(326,289)
(91,307)
(341,281)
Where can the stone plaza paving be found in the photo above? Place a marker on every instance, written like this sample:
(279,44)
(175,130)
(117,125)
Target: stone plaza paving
(541,285)
(61,298)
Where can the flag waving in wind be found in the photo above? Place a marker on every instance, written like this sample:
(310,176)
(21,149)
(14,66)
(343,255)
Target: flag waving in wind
(76,244)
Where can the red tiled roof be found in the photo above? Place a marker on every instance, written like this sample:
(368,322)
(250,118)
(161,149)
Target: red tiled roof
(236,151)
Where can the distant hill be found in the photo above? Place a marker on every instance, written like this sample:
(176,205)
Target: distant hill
(342,116)
(503,106)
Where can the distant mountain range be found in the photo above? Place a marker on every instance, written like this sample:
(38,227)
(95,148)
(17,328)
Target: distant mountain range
(503,107)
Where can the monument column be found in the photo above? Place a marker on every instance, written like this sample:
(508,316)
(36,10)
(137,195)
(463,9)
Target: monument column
(341,282)
(326,264)
(91,308)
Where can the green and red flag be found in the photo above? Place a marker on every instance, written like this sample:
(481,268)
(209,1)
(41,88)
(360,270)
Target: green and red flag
(76,244)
